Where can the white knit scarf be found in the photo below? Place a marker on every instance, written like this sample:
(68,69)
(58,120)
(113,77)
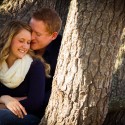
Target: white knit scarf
(15,75)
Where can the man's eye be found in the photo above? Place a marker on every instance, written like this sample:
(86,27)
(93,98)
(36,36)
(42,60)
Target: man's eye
(38,34)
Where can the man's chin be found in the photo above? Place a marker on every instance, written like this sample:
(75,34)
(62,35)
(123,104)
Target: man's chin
(36,48)
(33,48)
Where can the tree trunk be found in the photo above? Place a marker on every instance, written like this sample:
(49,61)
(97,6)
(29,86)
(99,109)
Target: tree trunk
(88,52)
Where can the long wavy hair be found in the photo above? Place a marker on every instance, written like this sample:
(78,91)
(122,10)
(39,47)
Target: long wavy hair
(10,30)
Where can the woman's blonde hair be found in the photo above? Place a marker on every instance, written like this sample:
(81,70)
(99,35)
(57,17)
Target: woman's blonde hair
(10,30)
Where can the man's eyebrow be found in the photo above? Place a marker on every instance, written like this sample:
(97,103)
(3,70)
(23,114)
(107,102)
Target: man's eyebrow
(37,32)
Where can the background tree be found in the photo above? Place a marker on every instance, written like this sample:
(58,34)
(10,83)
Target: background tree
(90,44)
(22,9)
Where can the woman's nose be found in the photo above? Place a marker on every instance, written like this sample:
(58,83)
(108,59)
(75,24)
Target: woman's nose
(26,46)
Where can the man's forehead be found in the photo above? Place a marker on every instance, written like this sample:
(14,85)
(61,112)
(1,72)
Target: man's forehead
(37,25)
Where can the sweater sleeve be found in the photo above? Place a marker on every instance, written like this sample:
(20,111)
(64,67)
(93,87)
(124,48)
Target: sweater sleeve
(36,79)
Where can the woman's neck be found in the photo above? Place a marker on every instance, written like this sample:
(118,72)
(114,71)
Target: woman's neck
(10,61)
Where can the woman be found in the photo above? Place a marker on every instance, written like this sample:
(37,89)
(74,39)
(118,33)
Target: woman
(22,77)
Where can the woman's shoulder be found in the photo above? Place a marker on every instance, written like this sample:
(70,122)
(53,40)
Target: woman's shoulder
(36,60)
(36,67)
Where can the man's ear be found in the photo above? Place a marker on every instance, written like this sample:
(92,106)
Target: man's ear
(54,35)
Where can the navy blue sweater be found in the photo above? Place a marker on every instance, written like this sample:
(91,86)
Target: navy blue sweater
(33,87)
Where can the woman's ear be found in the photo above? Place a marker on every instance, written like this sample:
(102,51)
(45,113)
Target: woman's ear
(54,35)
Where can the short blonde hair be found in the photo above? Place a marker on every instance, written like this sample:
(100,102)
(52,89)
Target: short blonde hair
(50,17)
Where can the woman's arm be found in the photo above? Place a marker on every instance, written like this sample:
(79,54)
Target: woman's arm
(36,80)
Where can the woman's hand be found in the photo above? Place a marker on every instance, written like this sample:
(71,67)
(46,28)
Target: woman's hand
(14,105)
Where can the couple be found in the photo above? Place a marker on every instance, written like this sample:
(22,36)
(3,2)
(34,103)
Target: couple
(25,81)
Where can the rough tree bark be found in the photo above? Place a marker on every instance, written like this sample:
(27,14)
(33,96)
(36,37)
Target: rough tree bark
(88,52)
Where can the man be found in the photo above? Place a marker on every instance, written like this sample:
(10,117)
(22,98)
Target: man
(46,25)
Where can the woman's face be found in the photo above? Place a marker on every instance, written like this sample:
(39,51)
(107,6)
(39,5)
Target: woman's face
(20,44)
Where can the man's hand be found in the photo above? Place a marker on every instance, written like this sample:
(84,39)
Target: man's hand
(14,105)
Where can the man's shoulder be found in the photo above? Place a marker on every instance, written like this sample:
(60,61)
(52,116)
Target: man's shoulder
(57,42)
(58,38)
(53,49)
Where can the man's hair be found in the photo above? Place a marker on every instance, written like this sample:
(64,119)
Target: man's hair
(50,17)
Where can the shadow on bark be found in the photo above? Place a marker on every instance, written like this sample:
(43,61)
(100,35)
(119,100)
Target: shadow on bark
(115,118)
(116,113)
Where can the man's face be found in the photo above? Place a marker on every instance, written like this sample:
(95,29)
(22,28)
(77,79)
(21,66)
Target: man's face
(40,36)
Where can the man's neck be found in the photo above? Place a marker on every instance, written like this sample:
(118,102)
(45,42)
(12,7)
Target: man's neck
(40,52)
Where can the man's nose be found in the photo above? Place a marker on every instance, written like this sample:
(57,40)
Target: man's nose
(33,36)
